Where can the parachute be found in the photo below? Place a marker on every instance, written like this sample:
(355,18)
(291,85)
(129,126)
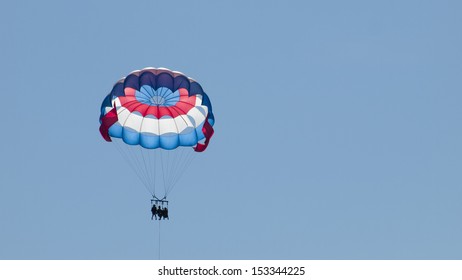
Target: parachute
(158,119)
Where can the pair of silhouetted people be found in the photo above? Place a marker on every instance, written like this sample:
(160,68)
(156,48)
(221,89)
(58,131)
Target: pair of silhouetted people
(161,212)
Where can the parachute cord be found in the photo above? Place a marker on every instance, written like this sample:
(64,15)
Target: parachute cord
(155,171)
(163,172)
(177,161)
(148,169)
(133,163)
(182,166)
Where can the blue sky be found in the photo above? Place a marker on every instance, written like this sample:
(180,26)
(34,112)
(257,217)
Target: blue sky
(337,130)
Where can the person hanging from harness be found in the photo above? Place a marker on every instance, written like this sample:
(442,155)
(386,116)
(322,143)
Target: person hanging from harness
(154,211)
(165,213)
(162,212)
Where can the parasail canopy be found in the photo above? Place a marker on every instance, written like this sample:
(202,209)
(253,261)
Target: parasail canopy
(157,109)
